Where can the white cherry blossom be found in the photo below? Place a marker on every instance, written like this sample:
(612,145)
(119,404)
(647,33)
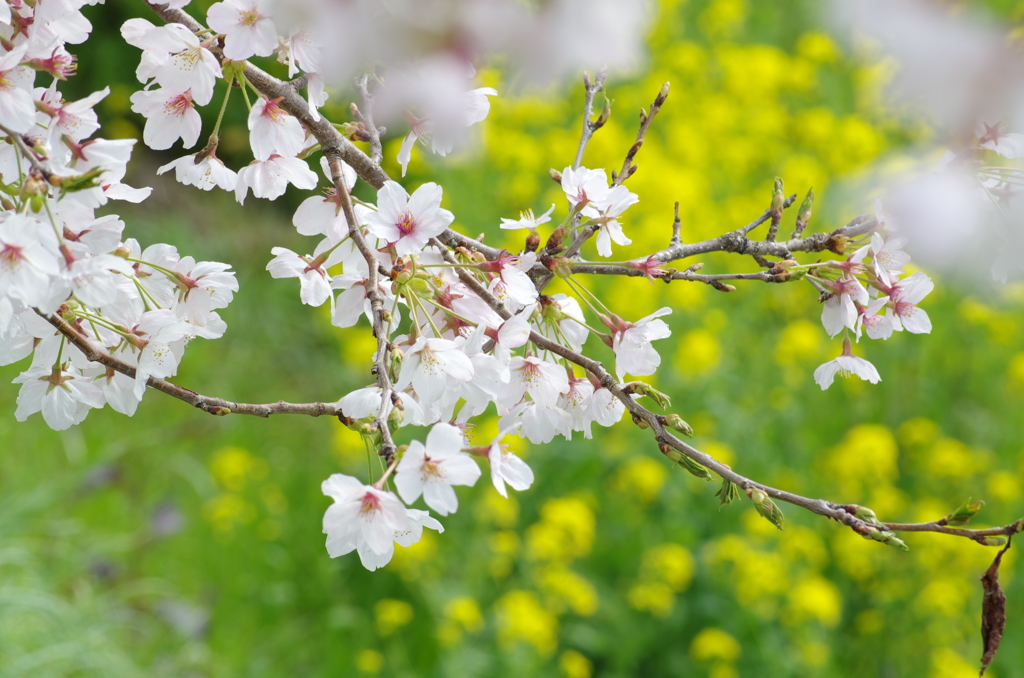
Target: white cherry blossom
(247,28)
(273,131)
(169,116)
(508,468)
(363,518)
(269,178)
(845,365)
(407,221)
(431,469)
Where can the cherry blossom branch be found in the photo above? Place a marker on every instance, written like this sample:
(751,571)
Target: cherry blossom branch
(380,323)
(590,126)
(939,527)
(628,167)
(331,140)
(644,418)
(365,116)
(208,404)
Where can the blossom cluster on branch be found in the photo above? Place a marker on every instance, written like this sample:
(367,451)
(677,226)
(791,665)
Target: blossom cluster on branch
(460,327)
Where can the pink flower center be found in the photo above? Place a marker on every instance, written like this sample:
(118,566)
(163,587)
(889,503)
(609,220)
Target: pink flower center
(274,112)
(10,256)
(370,504)
(431,469)
(179,105)
(406,223)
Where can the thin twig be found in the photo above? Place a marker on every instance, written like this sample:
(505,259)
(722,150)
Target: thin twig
(209,404)
(365,116)
(628,167)
(589,126)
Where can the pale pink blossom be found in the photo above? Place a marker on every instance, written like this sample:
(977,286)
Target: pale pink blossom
(431,366)
(508,468)
(64,396)
(169,117)
(431,469)
(363,518)
(527,220)
(634,353)
(905,297)
(840,309)
(273,131)
(311,271)
(247,28)
(845,365)
(17,110)
(583,187)
(208,172)
(408,222)
(269,178)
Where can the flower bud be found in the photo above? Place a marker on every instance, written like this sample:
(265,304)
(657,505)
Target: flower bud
(963,515)
(639,421)
(765,506)
(654,394)
(803,215)
(676,422)
(532,242)
(996,540)
(556,176)
(677,457)
(778,198)
(864,513)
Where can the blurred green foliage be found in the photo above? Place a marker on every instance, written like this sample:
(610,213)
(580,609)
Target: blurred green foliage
(176,544)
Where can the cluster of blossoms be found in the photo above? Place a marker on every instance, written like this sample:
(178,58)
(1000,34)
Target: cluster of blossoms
(865,295)
(57,258)
(459,355)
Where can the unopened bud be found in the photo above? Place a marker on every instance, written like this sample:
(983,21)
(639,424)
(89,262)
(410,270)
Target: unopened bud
(997,540)
(532,242)
(662,95)
(654,394)
(122,252)
(885,537)
(639,421)
(676,422)
(560,266)
(837,244)
(766,507)
(778,197)
(803,215)
(963,515)
(555,175)
(864,513)
(722,287)
(33,186)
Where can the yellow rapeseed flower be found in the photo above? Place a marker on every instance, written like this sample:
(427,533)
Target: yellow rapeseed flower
(641,477)
(654,597)
(232,466)
(522,619)
(391,615)
(815,598)
(466,613)
(668,563)
(566,589)
(565,530)
(575,665)
(369,661)
(714,644)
